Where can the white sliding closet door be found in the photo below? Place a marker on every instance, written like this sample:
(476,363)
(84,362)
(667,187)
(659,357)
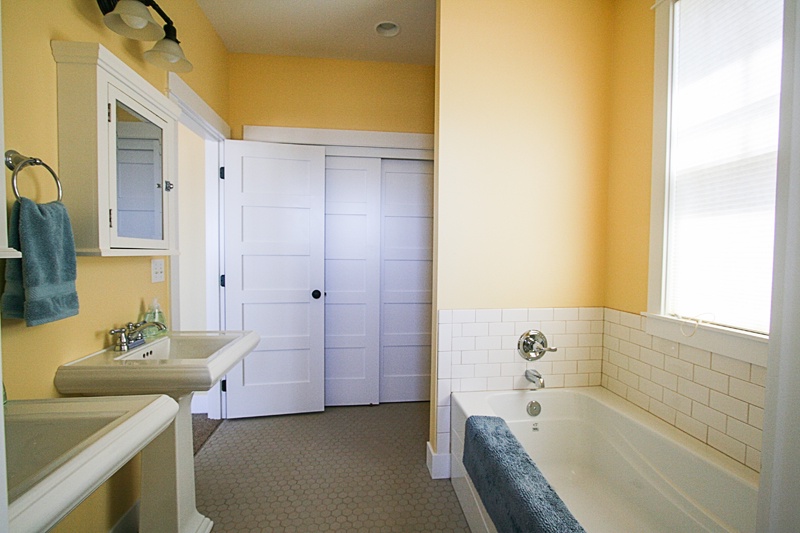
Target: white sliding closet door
(352,280)
(407,248)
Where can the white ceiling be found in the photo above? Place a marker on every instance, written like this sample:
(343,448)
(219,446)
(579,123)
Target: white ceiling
(341,29)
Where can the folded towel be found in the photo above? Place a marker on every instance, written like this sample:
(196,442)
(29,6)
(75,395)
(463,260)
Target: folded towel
(40,287)
(515,493)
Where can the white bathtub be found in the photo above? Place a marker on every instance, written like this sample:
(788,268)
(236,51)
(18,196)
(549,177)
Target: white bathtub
(617,467)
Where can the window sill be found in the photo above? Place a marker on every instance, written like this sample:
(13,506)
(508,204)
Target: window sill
(736,344)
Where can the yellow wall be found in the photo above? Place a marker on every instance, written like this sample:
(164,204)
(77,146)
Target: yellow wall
(630,140)
(522,153)
(112,291)
(329,93)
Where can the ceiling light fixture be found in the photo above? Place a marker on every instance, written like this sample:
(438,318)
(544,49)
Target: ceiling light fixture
(132,19)
(387,29)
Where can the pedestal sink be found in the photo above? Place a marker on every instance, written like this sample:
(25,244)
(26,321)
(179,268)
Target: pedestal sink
(60,450)
(176,364)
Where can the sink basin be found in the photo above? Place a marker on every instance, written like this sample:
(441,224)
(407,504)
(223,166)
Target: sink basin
(178,363)
(60,450)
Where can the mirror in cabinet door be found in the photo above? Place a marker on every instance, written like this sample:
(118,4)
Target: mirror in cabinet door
(139,189)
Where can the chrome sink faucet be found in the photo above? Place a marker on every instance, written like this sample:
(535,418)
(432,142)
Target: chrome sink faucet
(535,378)
(131,336)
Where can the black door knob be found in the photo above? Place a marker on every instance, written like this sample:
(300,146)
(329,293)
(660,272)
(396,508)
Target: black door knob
(316,294)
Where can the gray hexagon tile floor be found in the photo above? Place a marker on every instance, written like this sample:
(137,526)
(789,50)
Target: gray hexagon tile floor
(354,469)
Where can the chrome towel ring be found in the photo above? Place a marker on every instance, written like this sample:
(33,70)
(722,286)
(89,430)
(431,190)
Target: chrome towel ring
(16,162)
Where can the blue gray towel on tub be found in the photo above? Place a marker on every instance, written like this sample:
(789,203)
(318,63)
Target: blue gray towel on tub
(515,493)
(40,287)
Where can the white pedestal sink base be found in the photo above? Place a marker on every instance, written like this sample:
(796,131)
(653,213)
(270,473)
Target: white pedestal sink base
(168,501)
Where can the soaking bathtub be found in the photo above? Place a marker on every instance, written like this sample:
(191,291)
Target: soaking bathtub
(617,467)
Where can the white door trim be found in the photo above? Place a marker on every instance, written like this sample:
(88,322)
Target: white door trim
(199,117)
(779,484)
(354,143)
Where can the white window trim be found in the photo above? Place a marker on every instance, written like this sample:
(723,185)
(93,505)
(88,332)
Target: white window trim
(738,344)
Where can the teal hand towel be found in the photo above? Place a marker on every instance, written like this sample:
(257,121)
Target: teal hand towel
(40,287)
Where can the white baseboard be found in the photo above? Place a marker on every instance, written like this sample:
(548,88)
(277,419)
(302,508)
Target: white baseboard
(438,463)
(129,523)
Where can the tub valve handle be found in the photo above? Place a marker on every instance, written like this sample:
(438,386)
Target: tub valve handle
(532,345)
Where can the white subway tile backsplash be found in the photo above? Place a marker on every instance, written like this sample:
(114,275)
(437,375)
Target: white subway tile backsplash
(578,353)
(566,313)
(639,368)
(463,371)
(630,320)
(692,390)
(665,346)
(540,314)
(473,384)
(663,411)
(708,416)
(576,380)
(515,315)
(711,379)
(679,368)
(758,375)
(651,389)
(678,402)
(564,340)
(488,315)
(665,379)
(628,378)
(475,329)
(579,326)
(693,427)
(590,313)
(500,383)
(755,417)
(713,398)
(695,355)
(746,391)
(727,445)
(731,367)
(488,343)
(565,367)
(651,357)
(461,316)
(553,327)
(641,338)
(638,398)
(744,433)
(590,339)
(499,329)
(629,349)
(487,370)
(753,459)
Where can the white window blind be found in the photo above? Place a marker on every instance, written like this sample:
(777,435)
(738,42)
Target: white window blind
(722,160)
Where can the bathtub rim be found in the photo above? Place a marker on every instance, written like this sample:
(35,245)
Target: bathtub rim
(476,403)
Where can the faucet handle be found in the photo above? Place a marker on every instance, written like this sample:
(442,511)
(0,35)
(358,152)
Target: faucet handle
(122,340)
(532,345)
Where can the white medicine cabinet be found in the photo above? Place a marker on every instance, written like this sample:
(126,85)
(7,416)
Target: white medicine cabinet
(117,154)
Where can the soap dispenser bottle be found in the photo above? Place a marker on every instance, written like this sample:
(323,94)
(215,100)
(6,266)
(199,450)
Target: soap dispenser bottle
(154,314)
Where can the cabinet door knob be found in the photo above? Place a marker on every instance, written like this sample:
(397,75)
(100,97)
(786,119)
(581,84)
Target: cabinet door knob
(316,294)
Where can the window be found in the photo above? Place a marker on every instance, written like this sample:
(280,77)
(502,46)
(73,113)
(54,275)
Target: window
(719,89)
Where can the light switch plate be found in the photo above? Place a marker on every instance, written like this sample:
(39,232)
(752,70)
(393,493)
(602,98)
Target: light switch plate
(157,270)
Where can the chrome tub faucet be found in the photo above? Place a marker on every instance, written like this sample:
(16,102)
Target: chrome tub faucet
(536,379)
